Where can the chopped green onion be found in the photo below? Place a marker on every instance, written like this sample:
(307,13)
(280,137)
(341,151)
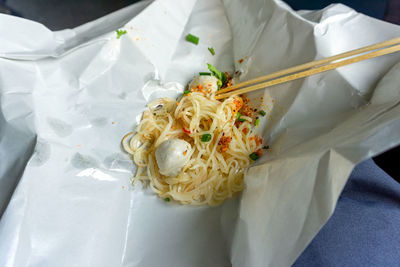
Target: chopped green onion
(254,156)
(186,92)
(167,199)
(219,84)
(257,122)
(265,147)
(204,74)
(211,51)
(220,75)
(238,117)
(120,33)
(205,137)
(193,39)
(262,113)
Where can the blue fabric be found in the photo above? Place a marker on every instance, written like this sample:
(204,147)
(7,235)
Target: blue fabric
(365,227)
(373,8)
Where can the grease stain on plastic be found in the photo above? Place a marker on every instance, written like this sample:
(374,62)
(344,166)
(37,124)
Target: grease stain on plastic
(119,162)
(60,128)
(80,161)
(41,154)
(99,122)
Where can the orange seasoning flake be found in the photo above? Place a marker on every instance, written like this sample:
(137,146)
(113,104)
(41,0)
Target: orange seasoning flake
(238,101)
(185,152)
(258,140)
(223,143)
(199,88)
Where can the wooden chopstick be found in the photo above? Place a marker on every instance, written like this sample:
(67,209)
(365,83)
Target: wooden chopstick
(314,69)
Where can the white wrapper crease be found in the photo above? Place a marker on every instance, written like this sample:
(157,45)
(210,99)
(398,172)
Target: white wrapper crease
(67,98)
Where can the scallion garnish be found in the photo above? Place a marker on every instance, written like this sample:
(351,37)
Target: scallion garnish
(211,51)
(186,92)
(262,113)
(238,117)
(167,199)
(205,137)
(193,39)
(120,33)
(219,84)
(254,156)
(220,75)
(204,73)
(257,122)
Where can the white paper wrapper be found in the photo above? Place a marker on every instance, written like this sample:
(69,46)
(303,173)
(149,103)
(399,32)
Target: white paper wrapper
(68,97)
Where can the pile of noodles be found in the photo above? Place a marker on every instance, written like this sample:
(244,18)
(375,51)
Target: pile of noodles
(215,169)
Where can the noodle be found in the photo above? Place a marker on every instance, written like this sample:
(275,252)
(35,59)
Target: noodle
(215,169)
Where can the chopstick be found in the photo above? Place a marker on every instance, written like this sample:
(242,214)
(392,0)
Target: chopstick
(312,68)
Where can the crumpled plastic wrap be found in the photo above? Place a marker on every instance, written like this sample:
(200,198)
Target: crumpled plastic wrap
(68,97)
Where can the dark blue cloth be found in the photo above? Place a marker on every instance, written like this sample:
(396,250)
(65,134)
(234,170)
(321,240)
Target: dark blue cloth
(373,8)
(364,230)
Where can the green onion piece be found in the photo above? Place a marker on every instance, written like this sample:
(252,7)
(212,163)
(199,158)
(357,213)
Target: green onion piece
(220,75)
(257,122)
(204,74)
(205,137)
(219,84)
(120,33)
(224,79)
(193,39)
(254,156)
(265,147)
(167,199)
(186,92)
(238,115)
(211,51)
(262,113)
